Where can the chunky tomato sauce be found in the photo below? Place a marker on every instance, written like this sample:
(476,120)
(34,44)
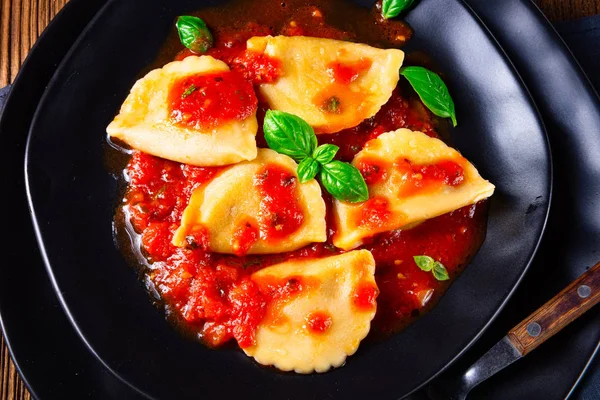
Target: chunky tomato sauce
(346,73)
(206,101)
(212,295)
(230,47)
(280,213)
(374,212)
(319,322)
(401,111)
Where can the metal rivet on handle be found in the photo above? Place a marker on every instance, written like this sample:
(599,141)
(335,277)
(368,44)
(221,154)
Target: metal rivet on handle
(584,291)
(534,329)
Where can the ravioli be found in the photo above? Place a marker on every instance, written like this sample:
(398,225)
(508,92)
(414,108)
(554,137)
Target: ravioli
(331,84)
(325,316)
(145,122)
(411,178)
(239,218)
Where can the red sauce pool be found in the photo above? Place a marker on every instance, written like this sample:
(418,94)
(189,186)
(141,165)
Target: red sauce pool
(212,296)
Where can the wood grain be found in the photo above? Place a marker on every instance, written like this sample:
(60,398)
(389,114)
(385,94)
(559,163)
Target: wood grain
(558,312)
(564,10)
(22,21)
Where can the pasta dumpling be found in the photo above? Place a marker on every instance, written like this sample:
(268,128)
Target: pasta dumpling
(256,207)
(182,112)
(411,178)
(323,316)
(331,84)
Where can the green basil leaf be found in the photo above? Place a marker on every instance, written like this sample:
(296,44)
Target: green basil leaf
(307,169)
(194,34)
(432,90)
(424,262)
(440,272)
(344,182)
(325,153)
(392,8)
(290,135)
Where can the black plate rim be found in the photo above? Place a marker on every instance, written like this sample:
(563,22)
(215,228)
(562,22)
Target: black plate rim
(584,371)
(41,247)
(423,383)
(544,19)
(12,93)
(548,208)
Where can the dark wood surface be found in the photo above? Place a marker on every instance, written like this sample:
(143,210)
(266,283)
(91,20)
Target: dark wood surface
(22,21)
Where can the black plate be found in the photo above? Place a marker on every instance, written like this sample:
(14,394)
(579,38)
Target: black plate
(72,197)
(54,363)
(49,355)
(570,108)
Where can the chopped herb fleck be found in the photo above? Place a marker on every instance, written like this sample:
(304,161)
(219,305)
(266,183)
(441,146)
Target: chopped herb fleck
(191,89)
(332,105)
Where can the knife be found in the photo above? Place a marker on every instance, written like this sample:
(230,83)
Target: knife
(542,324)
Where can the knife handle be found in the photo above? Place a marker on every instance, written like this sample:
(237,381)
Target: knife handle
(561,310)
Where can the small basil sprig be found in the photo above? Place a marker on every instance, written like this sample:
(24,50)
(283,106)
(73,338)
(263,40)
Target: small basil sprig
(290,135)
(428,264)
(194,34)
(344,181)
(393,8)
(308,169)
(432,90)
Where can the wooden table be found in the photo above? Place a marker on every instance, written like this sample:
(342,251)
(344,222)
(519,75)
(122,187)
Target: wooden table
(22,21)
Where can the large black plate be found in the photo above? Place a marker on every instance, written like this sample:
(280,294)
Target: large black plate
(49,355)
(54,363)
(72,196)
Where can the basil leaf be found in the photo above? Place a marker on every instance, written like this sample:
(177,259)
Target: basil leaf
(290,135)
(439,272)
(307,169)
(344,182)
(194,34)
(432,90)
(325,153)
(424,262)
(392,8)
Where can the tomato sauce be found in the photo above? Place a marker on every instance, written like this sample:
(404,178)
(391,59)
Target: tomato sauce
(420,178)
(374,212)
(280,214)
(373,171)
(206,101)
(319,322)
(346,73)
(365,297)
(401,111)
(212,296)
(257,67)
(244,237)
(230,47)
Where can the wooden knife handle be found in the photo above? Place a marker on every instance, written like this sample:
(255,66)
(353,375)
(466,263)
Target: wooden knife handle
(557,313)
